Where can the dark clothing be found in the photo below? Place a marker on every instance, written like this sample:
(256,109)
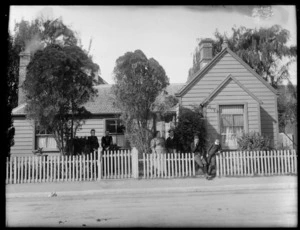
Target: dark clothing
(172,144)
(200,157)
(93,143)
(106,141)
(198,150)
(211,160)
(212,166)
(201,162)
(213,149)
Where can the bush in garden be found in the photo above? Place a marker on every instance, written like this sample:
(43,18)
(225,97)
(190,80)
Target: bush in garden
(254,141)
(190,122)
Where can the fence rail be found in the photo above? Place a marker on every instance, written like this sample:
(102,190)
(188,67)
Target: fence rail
(125,164)
(94,166)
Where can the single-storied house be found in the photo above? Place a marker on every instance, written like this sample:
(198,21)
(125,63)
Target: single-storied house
(104,117)
(234,98)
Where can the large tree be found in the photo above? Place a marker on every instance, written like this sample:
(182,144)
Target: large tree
(59,81)
(264,49)
(139,81)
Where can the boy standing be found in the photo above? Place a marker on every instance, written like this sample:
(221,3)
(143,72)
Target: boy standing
(211,160)
(200,157)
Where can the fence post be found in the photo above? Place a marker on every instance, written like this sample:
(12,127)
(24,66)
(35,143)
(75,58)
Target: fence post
(295,160)
(135,163)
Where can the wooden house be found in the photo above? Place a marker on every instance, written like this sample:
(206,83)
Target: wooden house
(234,98)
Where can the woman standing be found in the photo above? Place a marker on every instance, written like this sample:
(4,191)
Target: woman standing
(159,150)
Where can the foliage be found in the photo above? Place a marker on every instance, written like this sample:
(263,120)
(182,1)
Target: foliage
(58,82)
(37,34)
(139,81)
(254,141)
(263,49)
(190,122)
(287,106)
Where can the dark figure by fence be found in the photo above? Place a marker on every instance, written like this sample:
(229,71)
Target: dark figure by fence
(200,157)
(211,158)
(106,141)
(172,143)
(93,141)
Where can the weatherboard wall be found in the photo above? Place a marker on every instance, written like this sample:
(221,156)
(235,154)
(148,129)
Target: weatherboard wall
(226,65)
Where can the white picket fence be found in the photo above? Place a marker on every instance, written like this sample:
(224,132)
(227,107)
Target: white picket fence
(94,166)
(125,164)
(168,165)
(250,163)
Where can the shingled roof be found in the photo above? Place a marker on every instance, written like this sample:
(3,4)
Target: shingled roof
(103,103)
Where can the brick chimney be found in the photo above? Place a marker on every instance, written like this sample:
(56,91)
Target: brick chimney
(205,51)
(224,44)
(24,61)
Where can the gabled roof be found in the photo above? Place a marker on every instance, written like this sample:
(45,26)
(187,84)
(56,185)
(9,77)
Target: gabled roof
(103,103)
(200,73)
(228,78)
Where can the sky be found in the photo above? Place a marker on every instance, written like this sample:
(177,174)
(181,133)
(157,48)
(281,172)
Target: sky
(166,33)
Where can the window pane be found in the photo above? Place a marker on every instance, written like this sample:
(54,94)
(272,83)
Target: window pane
(231,109)
(111,126)
(226,120)
(232,124)
(238,120)
(46,142)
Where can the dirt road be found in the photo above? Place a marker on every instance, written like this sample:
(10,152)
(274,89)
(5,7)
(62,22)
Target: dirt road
(222,209)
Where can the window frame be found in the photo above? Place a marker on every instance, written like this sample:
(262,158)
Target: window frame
(37,135)
(229,103)
(114,135)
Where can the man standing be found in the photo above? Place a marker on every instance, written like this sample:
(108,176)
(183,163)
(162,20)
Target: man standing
(106,141)
(93,141)
(211,160)
(172,143)
(200,157)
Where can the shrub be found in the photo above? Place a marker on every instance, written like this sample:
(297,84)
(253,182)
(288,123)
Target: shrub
(190,122)
(254,141)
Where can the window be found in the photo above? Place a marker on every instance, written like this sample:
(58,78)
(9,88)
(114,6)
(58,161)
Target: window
(44,139)
(116,130)
(231,125)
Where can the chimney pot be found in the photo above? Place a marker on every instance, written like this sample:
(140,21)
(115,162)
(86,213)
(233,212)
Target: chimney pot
(205,51)
(225,44)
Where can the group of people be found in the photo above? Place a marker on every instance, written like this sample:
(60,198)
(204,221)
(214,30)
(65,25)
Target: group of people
(206,160)
(106,141)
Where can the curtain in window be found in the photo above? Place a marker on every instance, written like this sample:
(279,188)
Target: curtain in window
(46,142)
(232,124)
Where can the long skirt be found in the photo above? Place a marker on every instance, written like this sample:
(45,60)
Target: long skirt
(159,165)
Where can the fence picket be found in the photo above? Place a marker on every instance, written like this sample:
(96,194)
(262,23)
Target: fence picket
(21,169)
(272,162)
(224,164)
(245,163)
(35,169)
(265,163)
(292,162)
(227,163)
(295,160)
(281,162)
(17,170)
(289,161)
(285,162)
